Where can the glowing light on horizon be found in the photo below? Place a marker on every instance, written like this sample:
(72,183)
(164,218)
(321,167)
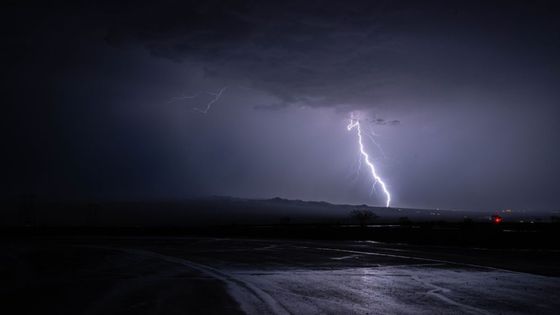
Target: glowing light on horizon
(355,124)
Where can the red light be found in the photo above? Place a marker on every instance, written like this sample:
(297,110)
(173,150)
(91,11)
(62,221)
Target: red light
(496,219)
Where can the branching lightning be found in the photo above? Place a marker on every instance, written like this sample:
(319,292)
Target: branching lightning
(217,96)
(355,124)
(371,135)
(208,106)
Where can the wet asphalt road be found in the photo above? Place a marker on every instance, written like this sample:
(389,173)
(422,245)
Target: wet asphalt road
(229,276)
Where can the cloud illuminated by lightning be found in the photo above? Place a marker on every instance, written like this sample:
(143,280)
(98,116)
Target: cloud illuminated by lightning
(355,124)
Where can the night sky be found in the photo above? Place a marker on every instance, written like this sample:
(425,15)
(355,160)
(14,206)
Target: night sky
(463,98)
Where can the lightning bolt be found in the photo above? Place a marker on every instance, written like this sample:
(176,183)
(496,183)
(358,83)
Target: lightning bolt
(208,106)
(355,124)
(372,136)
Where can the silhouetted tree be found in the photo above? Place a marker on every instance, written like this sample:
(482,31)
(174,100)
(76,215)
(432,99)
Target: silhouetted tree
(363,217)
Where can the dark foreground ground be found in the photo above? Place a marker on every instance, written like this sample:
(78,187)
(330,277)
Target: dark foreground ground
(204,275)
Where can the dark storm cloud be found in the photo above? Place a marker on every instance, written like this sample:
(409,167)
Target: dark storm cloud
(299,52)
(357,53)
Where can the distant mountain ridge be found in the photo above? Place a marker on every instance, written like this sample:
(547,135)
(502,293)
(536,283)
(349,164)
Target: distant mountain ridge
(220,210)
